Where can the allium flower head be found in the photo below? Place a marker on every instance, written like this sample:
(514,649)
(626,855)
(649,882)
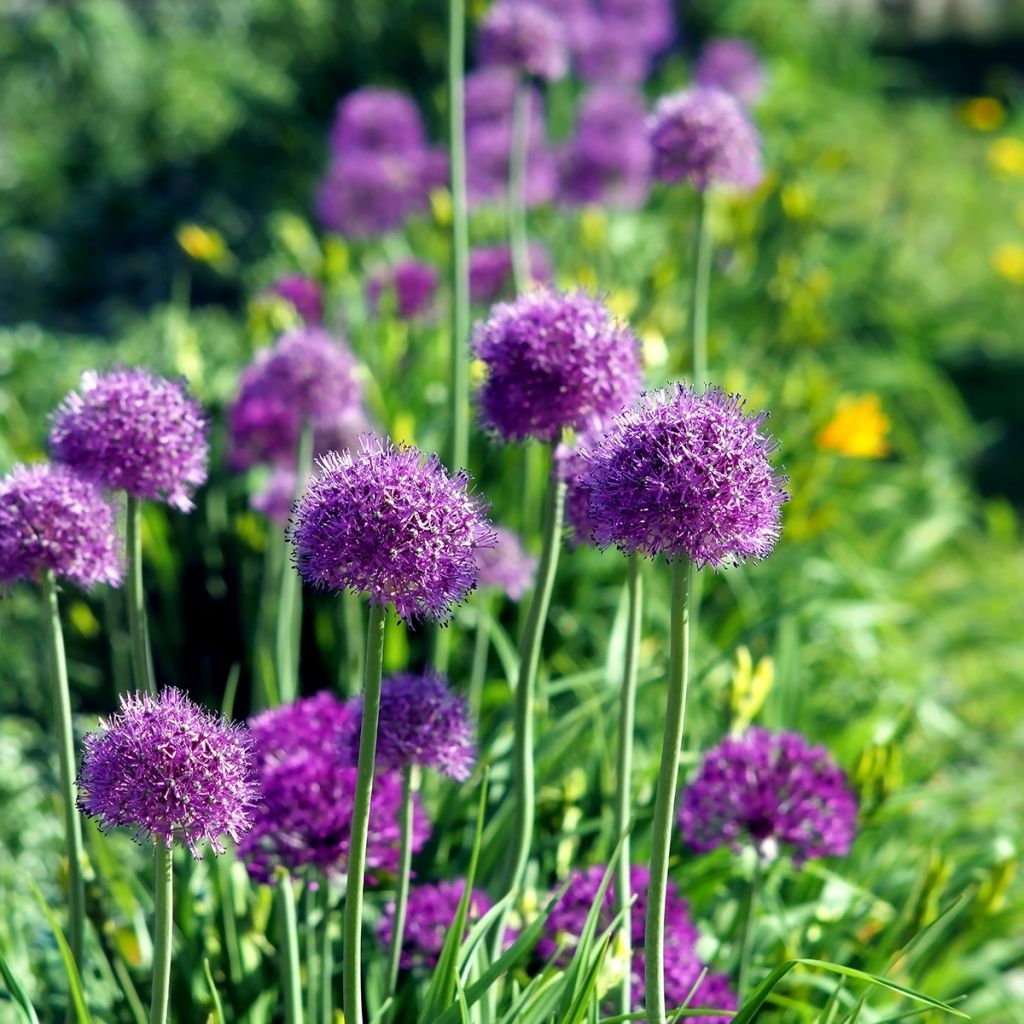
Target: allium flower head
(490,98)
(733,66)
(378,121)
(488,150)
(522,35)
(52,519)
(422,723)
(169,771)
(506,566)
(307,377)
(769,789)
(705,136)
(651,22)
(388,523)
(554,361)
(430,914)
(610,50)
(688,476)
(413,284)
(490,270)
(276,497)
(303,293)
(132,431)
(572,467)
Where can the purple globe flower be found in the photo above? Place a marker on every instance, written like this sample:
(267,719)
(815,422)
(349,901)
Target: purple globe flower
(770,789)
(430,914)
(705,136)
(553,361)
(490,270)
(650,22)
(573,466)
(490,96)
(609,50)
(132,431)
(732,66)
(388,523)
(522,35)
(688,476)
(506,566)
(421,723)
(303,293)
(170,771)
(488,151)
(307,377)
(304,816)
(412,283)
(276,497)
(53,520)
(381,121)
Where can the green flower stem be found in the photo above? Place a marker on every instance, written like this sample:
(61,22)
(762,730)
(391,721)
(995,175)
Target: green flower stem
(624,772)
(664,800)
(288,939)
(481,648)
(701,282)
(352,665)
(326,958)
(163,930)
(352,996)
(517,235)
(309,910)
(749,912)
(142,664)
(460,234)
(66,757)
(410,781)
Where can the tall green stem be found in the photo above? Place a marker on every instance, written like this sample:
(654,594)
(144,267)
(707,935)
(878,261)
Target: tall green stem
(326,959)
(481,648)
(352,665)
(409,781)
(519,146)
(460,234)
(66,759)
(309,909)
(163,930)
(288,927)
(701,282)
(749,912)
(352,996)
(664,800)
(624,773)
(142,665)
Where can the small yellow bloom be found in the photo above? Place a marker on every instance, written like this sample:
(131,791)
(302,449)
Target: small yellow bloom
(749,688)
(205,245)
(796,201)
(858,429)
(594,227)
(655,350)
(441,207)
(1008,262)
(983,113)
(82,619)
(1006,156)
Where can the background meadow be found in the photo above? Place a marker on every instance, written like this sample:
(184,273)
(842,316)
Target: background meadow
(158,165)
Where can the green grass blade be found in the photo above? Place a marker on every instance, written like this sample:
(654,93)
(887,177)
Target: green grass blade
(218,1007)
(70,969)
(17,991)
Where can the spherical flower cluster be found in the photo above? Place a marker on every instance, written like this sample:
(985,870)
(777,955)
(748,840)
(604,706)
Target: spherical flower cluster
(488,154)
(377,121)
(732,66)
(609,51)
(276,497)
(303,819)
(608,159)
(490,97)
(303,293)
(573,466)
(506,566)
(53,520)
(305,378)
(412,284)
(422,723)
(651,22)
(704,135)
(553,361)
(430,914)
(689,476)
(522,35)
(767,790)
(169,770)
(490,270)
(132,431)
(388,523)
(682,964)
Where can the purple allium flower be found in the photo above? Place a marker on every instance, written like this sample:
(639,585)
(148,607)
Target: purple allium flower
(704,135)
(171,771)
(766,788)
(488,150)
(304,817)
(733,66)
(522,35)
(554,360)
(490,270)
(430,914)
(381,121)
(688,476)
(421,723)
(303,293)
(388,523)
(276,497)
(413,284)
(490,97)
(306,377)
(573,466)
(609,51)
(52,519)
(506,566)
(651,22)
(609,158)
(132,431)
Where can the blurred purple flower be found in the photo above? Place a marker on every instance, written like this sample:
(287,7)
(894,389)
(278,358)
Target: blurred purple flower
(276,497)
(506,566)
(609,51)
(651,22)
(490,96)
(490,270)
(733,66)
(413,285)
(488,150)
(303,293)
(383,121)
(522,35)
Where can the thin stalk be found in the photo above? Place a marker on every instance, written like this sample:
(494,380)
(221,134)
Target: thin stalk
(66,759)
(749,912)
(142,666)
(481,648)
(624,773)
(265,693)
(701,282)
(664,800)
(409,784)
(163,930)
(288,926)
(352,994)
(120,644)
(326,958)
(227,906)
(460,234)
(518,146)
(309,908)
(352,665)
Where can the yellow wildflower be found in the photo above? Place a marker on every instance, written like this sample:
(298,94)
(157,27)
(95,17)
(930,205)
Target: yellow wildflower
(983,113)
(1006,156)
(1008,262)
(750,686)
(205,245)
(858,429)
(796,201)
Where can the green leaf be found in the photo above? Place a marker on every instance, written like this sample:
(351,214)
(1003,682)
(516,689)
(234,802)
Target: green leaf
(17,991)
(70,968)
